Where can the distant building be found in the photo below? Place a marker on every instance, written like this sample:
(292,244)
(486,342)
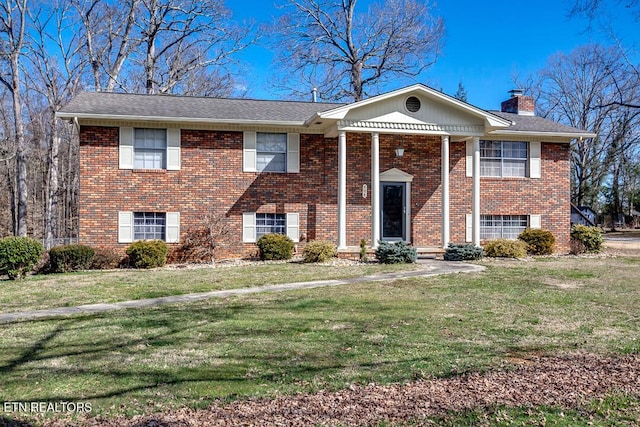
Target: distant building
(583,215)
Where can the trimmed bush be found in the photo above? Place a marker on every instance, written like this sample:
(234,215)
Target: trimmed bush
(395,253)
(147,254)
(539,242)
(319,251)
(18,255)
(586,239)
(464,252)
(106,259)
(275,246)
(63,259)
(505,248)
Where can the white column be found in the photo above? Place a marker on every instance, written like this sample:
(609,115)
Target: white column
(342,190)
(475,207)
(375,189)
(445,191)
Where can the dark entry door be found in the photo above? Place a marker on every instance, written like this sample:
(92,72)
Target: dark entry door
(394,200)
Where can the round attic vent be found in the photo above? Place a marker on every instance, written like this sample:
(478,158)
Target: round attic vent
(412,104)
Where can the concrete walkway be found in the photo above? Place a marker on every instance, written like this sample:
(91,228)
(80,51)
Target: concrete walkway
(427,268)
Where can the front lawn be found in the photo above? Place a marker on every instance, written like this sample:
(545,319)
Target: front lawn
(71,289)
(149,360)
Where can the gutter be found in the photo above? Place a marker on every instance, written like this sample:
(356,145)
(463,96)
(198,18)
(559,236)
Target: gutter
(75,117)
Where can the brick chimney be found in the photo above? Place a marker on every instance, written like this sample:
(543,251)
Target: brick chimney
(519,104)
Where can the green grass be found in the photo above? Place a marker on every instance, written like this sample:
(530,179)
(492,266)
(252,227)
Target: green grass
(141,361)
(71,289)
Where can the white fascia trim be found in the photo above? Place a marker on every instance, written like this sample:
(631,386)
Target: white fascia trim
(176,119)
(543,134)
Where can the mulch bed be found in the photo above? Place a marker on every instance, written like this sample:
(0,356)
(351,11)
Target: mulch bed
(565,382)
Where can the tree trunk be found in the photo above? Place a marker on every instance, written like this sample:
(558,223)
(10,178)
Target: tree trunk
(51,221)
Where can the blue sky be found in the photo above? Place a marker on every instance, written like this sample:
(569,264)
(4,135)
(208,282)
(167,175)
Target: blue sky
(486,43)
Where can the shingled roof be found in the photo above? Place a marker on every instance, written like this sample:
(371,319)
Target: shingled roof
(191,108)
(229,110)
(522,123)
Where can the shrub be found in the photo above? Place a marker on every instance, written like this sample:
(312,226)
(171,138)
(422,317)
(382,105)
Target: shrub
(464,252)
(18,255)
(147,254)
(539,242)
(106,259)
(504,248)
(67,258)
(363,251)
(275,246)
(586,239)
(395,253)
(319,251)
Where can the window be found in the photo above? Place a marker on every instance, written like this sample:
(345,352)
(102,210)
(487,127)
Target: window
(149,226)
(270,223)
(256,225)
(271,152)
(150,148)
(503,158)
(502,226)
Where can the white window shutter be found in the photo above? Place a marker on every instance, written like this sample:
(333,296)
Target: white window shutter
(126,148)
(125,227)
(469,158)
(535,221)
(293,226)
(468,228)
(249,153)
(249,227)
(293,152)
(173,149)
(534,160)
(172,232)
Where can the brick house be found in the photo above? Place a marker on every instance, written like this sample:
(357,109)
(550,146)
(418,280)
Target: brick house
(413,164)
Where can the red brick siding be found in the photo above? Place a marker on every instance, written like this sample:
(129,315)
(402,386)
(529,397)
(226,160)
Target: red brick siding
(211,178)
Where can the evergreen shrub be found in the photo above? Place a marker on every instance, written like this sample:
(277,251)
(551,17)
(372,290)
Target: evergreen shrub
(319,251)
(18,255)
(63,259)
(275,246)
(462,252)
(395,253)
(539,242)
(586,239)
(147,254)
(505,248)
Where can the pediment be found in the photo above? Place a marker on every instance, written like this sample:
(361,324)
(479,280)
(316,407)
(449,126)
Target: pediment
(396,175)
(434,108)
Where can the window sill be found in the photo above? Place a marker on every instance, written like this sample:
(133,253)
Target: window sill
(149,170)
(505,177)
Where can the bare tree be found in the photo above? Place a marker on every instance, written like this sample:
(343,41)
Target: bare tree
(56,67)
(13,17)
(107,29)
(348,53)
(592,8)
(581,90)
(181,39)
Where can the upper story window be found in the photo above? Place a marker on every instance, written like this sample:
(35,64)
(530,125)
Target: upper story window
(150,148)
(503,158)
(271,152)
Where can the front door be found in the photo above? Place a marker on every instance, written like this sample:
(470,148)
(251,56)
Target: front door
(394,209)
